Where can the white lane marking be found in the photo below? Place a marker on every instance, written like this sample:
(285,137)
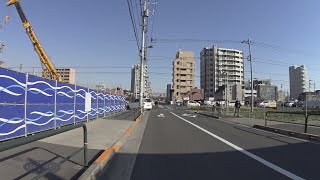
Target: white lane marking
(189,115)
(268,132)
(257,158)
(161,115)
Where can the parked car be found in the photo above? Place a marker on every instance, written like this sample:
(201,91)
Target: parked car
(289,104)
(264,104)
(147,104)
(193,104)
(209,103)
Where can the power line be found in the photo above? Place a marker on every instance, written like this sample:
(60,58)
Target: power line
(133,23)
(167,40)
(153,19)
(137,11)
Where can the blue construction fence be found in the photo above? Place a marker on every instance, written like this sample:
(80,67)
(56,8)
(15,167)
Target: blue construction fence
(30,104)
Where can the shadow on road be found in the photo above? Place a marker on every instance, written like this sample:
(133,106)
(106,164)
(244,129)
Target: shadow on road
(300,159)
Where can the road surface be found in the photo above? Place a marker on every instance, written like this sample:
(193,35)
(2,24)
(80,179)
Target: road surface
(178,144)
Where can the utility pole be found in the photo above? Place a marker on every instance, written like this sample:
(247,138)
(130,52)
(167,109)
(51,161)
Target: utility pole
(307,98)
(145,16)
(249,42)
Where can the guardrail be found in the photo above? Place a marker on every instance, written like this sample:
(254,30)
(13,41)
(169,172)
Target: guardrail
(306,118)
(136,113)
(44,134)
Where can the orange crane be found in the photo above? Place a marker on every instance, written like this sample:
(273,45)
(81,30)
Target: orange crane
(48,69)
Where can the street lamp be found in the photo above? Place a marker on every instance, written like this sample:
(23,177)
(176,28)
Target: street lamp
(249,42)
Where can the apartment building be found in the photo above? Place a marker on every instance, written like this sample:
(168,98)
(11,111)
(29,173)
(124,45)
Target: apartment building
(68,75)
(298,80)
(183,79)
(135,81)
(220,67)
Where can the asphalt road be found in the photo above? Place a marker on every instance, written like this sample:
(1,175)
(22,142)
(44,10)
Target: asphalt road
(180,145)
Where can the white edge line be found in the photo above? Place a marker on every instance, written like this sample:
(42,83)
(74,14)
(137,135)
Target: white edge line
(265,131)
(248,126)
(257,158)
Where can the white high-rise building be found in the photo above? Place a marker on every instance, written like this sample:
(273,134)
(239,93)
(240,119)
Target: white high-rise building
(135,81)
(220,66)
(298,80)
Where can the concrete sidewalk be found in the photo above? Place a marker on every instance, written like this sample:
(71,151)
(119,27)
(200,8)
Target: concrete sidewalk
(27,161)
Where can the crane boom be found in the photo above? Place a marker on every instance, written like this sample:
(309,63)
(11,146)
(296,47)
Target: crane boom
(49,71)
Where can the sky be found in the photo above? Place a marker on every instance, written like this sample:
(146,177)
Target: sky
(97,38)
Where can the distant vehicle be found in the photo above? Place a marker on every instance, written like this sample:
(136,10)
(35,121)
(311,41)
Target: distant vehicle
(289,104)
(147,104)
(209,103)
(264,104)
(193,104)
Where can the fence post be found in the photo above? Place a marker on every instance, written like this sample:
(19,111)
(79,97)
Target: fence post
(264,111)
(97,105)
(55,105)
(74,103)
(265,119)
(85,144)
(25,105)
(90,109)
(306,124)
(104,104)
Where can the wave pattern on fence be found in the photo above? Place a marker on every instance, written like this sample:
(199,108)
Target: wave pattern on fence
(30,104)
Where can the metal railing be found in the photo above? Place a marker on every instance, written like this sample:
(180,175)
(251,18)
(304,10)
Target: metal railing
(282,113)
(136,113)
(44,134)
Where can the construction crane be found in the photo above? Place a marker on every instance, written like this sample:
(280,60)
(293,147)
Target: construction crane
(48,69)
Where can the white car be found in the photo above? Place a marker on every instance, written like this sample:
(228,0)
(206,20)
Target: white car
(193,104)
(264,104)
(147,104)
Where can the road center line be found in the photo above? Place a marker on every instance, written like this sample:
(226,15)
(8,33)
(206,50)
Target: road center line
(257,158)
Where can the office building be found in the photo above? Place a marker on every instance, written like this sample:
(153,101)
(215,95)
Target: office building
(298,80)
(183,75)
(220,67)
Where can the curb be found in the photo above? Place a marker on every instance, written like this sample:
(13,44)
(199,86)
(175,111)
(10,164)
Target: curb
(102,161)
(306,136)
